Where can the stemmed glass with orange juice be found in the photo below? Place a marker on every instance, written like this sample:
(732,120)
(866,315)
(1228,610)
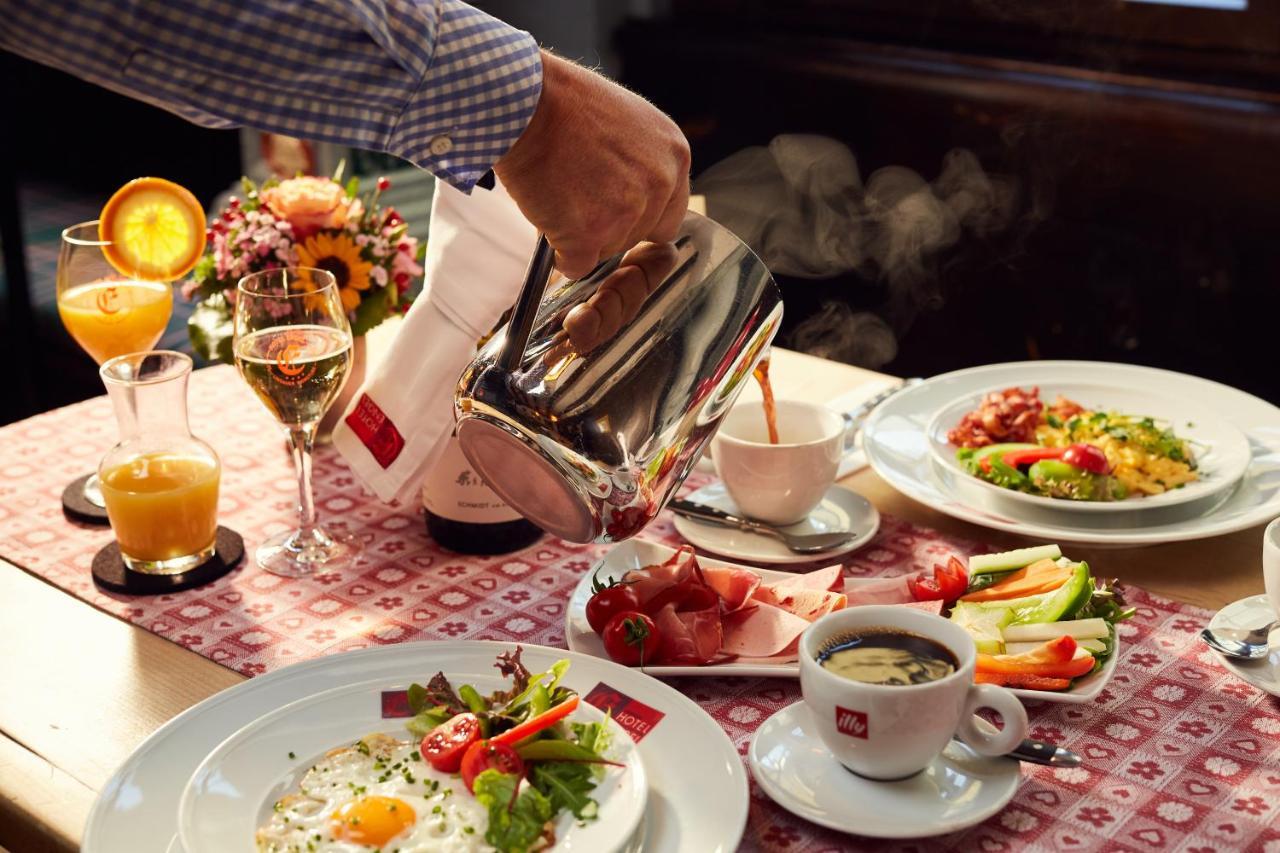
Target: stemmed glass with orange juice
(114,273)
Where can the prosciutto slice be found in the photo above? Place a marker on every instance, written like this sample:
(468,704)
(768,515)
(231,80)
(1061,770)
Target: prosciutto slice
(734,586)
(690,637)
(680,567)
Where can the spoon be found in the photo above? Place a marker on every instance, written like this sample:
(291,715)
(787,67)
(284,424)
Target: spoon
(1251,645)
(807,543)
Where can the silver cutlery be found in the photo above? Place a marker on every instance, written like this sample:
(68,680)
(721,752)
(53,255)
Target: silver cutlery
(1041,752)
(858,416)
(801,543)
(1247,645)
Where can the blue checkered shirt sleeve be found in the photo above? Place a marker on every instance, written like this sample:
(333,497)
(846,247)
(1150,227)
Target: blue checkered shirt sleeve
(437,82)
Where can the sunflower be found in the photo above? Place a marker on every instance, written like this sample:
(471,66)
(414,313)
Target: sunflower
(338,254)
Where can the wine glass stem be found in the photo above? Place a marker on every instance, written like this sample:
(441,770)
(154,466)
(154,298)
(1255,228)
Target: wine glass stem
(302,439)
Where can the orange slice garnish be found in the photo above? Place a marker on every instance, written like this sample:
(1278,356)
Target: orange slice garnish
(154,228)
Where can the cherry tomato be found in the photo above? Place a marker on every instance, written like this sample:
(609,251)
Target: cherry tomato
(609,601)
(1086,457)
(486,755)
(631,638)
(445,745)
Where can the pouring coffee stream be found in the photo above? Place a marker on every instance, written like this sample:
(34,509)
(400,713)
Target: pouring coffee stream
(761,374)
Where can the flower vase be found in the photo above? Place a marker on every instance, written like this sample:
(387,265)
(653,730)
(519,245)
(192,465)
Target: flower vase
(359,363)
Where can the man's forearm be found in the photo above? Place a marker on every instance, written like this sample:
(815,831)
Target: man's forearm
(433,81)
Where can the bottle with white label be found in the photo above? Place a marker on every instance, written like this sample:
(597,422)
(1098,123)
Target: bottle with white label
(465,515)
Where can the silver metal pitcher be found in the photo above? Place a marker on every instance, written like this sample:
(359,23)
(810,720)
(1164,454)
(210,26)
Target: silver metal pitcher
(590,446)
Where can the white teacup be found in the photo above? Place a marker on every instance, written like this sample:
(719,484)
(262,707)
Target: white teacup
(893,731)
(1271,564)
(780,483)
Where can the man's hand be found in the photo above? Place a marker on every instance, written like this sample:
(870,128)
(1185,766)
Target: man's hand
(598,169)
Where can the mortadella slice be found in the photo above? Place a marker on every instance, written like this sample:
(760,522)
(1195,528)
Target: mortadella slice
(881,591)
(808,604)
(830,578)
(761,631)
(734,586)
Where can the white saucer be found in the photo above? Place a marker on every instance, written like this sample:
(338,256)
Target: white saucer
(957,790)
(840,509)
(1244,615)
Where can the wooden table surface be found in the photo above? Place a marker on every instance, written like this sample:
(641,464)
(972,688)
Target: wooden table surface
(81,689)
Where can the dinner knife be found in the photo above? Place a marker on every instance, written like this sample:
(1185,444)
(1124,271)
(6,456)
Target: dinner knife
(1041,752)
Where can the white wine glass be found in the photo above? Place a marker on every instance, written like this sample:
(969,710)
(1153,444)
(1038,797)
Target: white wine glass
(292,344)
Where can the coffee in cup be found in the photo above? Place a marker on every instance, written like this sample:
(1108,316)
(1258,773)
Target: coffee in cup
(892,704)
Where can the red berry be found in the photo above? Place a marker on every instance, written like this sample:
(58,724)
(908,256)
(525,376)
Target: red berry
(233,203)
(384,184)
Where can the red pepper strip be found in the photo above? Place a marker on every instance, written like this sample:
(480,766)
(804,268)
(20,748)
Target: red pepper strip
(1059,650)
(1030,682)
(546,719)
(985,464)
(1017,458)
(1010,665)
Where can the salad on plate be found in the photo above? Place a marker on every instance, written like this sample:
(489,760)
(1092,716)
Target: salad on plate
(1066,451)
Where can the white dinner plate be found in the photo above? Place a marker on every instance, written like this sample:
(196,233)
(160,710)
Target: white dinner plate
(1221,451)
(958,789)
(841,509)
(636,554)
(696,802)
(1243,616)
(897,445)
(233,791)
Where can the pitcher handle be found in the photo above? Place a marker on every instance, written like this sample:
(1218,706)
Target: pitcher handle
(526,308)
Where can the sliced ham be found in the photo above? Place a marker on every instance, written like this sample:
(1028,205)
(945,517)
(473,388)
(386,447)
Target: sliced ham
(761,631)
(934,607)
(830,578)
(808,604)
(680,567)
(691,637)
(881,591)
(734,586)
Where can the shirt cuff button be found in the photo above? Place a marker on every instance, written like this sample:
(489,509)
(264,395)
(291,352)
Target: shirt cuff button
(441,145)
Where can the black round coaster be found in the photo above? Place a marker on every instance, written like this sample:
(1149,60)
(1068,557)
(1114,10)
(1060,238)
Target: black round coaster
(76,508)
(111,574)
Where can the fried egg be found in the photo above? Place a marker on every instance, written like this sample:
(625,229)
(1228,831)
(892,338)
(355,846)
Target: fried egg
(377,794)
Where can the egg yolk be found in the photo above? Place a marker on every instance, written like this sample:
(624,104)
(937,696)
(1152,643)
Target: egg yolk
(372,821)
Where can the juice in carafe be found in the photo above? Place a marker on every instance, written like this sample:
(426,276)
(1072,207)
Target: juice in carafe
(163,506)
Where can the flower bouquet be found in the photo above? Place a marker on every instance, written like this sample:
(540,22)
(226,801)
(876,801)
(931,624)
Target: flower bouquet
(309,222)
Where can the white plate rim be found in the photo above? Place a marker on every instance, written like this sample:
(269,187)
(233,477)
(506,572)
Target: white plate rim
(684,526)
(581,639)
(1201,490)
(727,832)
(187,803)
(767,785)
(933,494)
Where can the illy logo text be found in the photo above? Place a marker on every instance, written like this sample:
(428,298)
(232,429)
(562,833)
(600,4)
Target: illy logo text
(851,723)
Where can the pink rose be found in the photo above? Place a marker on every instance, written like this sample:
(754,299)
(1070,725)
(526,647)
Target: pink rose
(308,204)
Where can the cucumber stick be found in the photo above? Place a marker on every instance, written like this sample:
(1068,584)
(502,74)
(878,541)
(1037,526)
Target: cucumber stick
(984,624)
(1080,629)
(981,564)
(1091,646)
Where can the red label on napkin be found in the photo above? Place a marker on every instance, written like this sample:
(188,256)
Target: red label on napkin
(634,716)
(375,431)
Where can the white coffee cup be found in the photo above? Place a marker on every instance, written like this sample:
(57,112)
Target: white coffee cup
(780,483)
(893,731)
(1271,564)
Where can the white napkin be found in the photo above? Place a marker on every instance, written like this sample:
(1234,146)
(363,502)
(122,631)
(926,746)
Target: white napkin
(397,423)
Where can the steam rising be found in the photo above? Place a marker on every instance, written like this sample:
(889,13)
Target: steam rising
(801,204)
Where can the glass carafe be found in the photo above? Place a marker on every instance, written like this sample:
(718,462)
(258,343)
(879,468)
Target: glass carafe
(160,483)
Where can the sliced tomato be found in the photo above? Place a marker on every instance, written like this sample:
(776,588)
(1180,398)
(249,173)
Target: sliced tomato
(489,755)
(1086,457)
(445,745)
(1020,458)
(948,583)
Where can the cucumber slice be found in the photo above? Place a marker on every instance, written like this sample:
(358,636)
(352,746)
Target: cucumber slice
(1091,646)
(984,624)
(1007,561)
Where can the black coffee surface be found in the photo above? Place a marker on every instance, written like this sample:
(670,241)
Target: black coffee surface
(887,656)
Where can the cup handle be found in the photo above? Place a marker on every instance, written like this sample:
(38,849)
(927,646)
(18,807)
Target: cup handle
(985,739)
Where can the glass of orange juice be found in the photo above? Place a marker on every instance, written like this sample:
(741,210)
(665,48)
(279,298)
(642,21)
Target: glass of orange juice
(160,483)
(108,314)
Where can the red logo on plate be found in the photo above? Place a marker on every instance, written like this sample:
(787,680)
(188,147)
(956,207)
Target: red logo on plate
(376,431)
(634,716)
(851,723)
